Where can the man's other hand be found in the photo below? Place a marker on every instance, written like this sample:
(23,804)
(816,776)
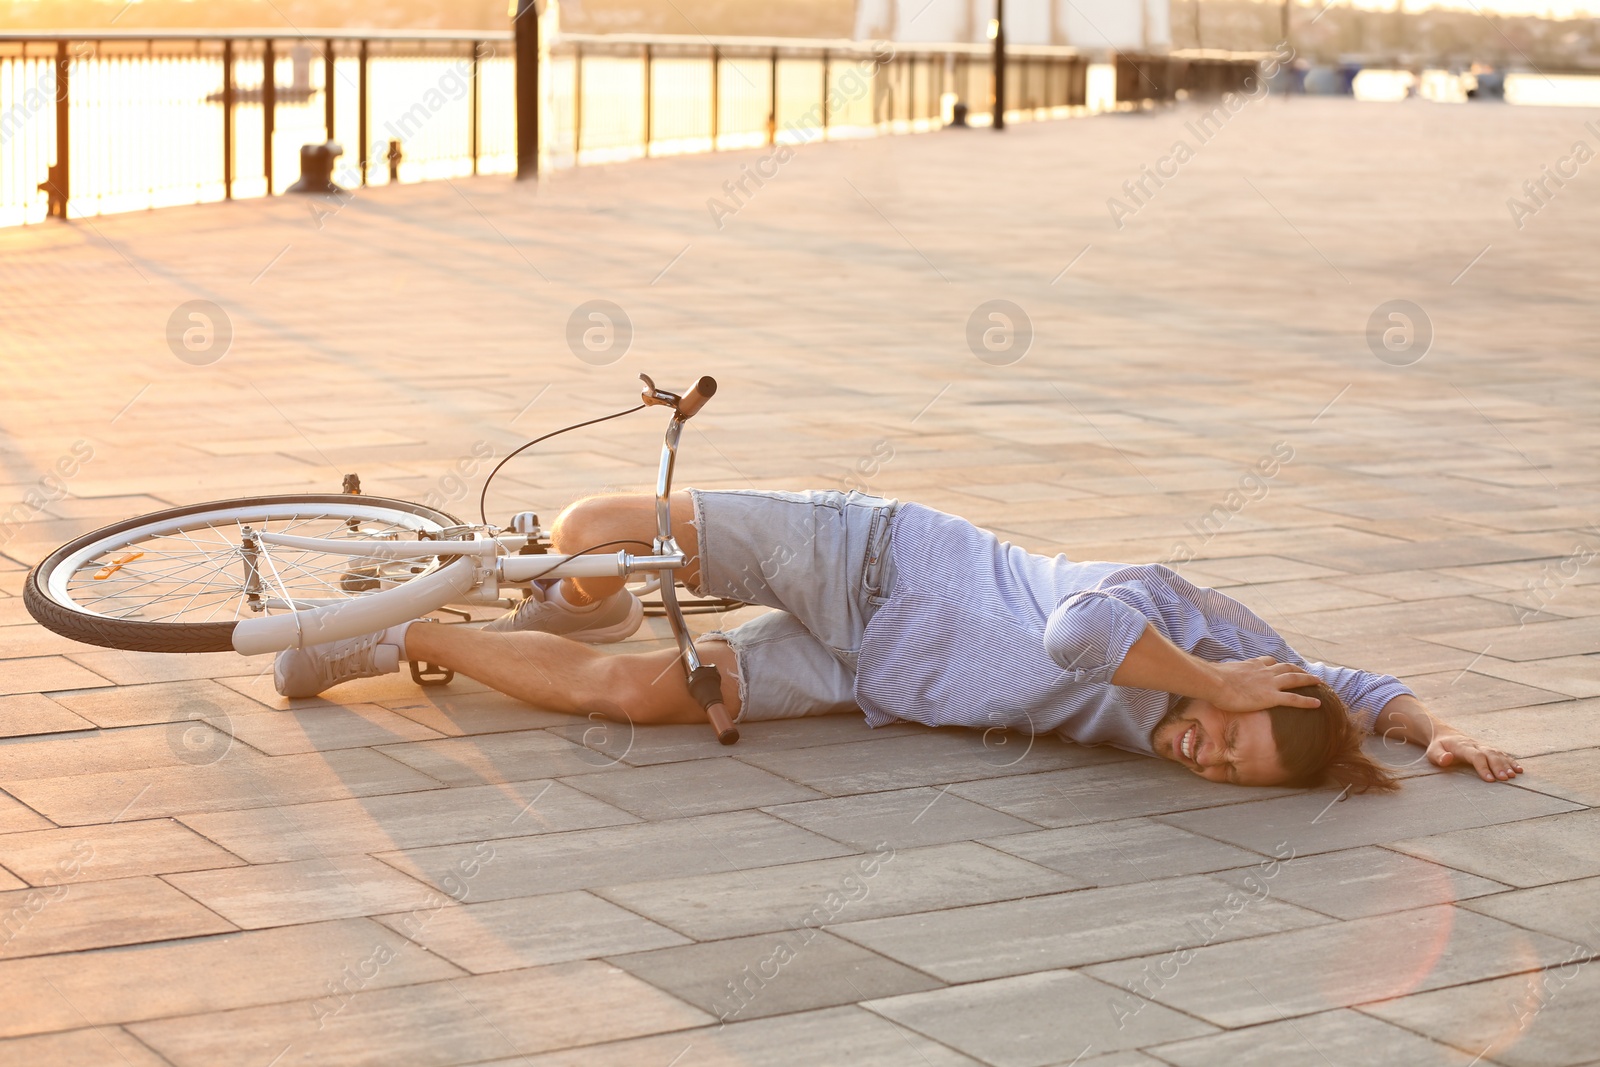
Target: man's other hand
(1453,750)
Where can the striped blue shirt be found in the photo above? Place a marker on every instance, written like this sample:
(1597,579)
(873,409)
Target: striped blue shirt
(977,632)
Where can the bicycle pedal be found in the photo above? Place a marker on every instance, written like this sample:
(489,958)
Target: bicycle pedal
(427,674)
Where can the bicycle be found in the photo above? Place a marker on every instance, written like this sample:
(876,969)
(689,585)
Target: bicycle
(304,569)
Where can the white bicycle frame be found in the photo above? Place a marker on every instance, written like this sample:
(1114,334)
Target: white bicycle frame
(476,568)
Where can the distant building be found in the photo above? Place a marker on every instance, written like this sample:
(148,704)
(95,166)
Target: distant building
(1091,25)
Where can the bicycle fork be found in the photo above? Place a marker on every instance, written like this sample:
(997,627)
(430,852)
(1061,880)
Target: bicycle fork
(703,679)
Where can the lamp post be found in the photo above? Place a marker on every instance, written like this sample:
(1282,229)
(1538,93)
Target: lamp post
(999,64)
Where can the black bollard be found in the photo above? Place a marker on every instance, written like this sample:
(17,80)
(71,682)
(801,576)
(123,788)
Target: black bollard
(316,169)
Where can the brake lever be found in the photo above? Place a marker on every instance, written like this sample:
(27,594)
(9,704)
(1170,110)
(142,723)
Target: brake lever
(653,396)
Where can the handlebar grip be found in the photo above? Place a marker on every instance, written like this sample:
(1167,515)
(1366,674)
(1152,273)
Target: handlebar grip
(696,398)
(705,685)
(727,733)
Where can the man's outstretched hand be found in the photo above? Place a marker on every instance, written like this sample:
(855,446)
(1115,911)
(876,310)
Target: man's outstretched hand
(1261,683)
(1457,749)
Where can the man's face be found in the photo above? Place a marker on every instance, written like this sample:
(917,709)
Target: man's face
(1220,746)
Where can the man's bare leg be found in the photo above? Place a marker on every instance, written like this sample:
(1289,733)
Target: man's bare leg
(559,674)
(597,520)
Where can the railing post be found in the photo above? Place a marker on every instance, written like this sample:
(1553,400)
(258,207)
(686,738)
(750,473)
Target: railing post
(477,46)
(577,101)
(361,106)
(58,182)
(227,119)
(649,103)
(327,88)
(911,93)
(269,105)
(716,96)
(526,25)
(772,101)
(827,63)
(1000,64)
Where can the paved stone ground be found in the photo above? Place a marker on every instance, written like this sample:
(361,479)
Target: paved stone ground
(196,874)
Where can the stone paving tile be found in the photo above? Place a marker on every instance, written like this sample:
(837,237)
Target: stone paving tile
(254,783)
(1096,794)
(804,1039)
(1337,965)
(44,674)
(489,759)
(1573,776)
(139,668)
(1359,882)
(1032,1020)
(1342,1036)
(135,748)
(1450,695)
(457,1021)
(1537,731)
(205,974)
(772,974)
(530,866)
(383,690)
(280,733)
(1534,1019)
(836,890)
(1414,585)
(700,787)
(1568,910)
(1419,618)
(114,850)
(1072,929)
(902,818)
(1576,676)
(645,746)
(1123,851)
(279,894)
(932,758)
(15,816)
(1535,641)
(1528,853)
(404,820)
(456,714)
(30,713)
(1319,822)
(142,705)
(78,1048)
(67,917)
(519,932)
(1291,598)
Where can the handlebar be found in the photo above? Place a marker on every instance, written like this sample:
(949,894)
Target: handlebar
(695,399)
(686,406)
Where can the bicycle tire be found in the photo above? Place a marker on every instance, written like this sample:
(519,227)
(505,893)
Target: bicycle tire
(75,622)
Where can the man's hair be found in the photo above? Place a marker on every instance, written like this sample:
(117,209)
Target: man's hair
(1322,746)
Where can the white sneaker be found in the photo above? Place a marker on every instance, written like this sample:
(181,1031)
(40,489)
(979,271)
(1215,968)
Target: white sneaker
(613,619)
(305,672)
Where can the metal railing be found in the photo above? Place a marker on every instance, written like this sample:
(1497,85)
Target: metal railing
(98,123)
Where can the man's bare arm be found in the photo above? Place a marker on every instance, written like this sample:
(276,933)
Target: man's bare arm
(1407,718)
(1244,685)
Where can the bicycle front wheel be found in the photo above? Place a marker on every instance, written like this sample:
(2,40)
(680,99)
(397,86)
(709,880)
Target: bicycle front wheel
(181,580)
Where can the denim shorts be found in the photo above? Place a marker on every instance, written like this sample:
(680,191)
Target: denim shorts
(821,558)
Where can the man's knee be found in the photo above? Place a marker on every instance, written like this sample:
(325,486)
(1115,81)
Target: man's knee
(595,518)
